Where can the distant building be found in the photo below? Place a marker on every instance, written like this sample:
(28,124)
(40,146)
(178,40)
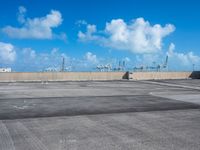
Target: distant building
(5,70)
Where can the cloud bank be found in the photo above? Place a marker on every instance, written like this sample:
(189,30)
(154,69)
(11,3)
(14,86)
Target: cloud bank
(33,60)
(138,36)
(178,59)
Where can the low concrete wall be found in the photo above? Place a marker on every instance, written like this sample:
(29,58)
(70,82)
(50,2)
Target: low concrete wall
(163,75)
(60,76)
(83,76)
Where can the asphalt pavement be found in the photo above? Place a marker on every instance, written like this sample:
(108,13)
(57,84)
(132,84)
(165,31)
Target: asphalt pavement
(122,115)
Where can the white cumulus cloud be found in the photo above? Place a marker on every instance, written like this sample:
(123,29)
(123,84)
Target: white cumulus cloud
(29,53)
(138,36)
(7,53)
(127,59)
(36,28)
(91,57)
(182,59)
(21,14)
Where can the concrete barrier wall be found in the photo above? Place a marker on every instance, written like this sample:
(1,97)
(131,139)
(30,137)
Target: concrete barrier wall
(60,76)
(83,76)
(163,75)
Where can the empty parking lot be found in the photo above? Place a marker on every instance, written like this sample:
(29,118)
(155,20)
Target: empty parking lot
(100,115)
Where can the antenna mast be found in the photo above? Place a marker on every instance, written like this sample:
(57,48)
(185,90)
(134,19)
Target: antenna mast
(63,65)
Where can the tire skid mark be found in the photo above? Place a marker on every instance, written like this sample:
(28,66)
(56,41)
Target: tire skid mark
(6,142)
(43,132)
(24,138)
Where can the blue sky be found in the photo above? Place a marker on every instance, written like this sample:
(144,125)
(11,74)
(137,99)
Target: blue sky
(36,34)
